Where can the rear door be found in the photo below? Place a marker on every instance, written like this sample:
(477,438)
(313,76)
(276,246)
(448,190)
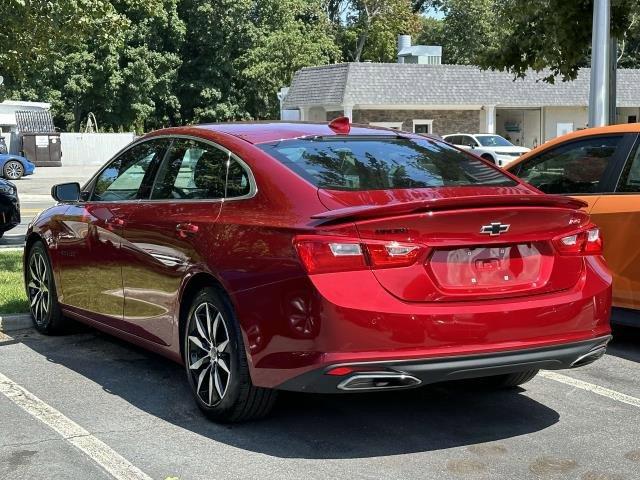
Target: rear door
(172,232)
(617,213)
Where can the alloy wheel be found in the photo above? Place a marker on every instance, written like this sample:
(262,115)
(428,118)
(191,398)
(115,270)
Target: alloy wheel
(13,170)
(38,286)
(208,355)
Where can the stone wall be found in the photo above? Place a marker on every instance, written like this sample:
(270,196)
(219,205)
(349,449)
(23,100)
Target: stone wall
(444,121)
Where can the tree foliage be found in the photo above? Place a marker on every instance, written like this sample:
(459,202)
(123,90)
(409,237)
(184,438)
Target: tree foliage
(551,34)
(145,64)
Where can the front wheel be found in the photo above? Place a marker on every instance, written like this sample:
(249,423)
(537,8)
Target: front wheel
(13,170)
(216,363)
(41,291)
(489,158)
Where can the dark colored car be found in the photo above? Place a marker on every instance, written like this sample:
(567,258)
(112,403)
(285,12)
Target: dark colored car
(320,258)
(9,206)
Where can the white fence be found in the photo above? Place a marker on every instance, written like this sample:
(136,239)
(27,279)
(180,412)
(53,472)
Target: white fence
(91,148)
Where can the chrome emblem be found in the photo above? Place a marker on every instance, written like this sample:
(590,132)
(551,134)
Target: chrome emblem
(494,229)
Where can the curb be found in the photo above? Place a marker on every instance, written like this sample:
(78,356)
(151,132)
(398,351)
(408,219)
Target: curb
(20,321)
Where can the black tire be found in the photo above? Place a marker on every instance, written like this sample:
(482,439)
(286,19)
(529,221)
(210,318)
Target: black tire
(13,170)
(489,158)
(45,310)
(509,380)
(239,400)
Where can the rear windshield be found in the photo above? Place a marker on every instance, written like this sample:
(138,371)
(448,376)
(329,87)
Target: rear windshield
(375,163)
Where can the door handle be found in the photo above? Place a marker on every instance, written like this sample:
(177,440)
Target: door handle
(114,222)
(186,230)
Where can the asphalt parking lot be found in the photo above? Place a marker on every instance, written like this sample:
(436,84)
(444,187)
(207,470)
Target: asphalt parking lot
(34,193)
(101,402)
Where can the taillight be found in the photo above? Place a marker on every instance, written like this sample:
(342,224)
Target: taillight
(583,242)
(392,254)
(335,254)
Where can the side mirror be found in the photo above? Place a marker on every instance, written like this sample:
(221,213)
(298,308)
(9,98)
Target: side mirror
(66,192)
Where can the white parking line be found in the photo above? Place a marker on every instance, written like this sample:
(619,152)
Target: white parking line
(590,387)
(73,433)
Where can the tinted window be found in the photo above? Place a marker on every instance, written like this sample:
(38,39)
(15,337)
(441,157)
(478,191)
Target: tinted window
(574,168)
(630,178)
(493,141)
(366,163)
(467,141)
(192,170)
(129,176)
(237,180)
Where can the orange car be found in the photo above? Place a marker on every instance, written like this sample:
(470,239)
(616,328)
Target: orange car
(602,167)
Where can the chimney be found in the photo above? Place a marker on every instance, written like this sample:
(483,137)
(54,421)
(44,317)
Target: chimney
(404,41)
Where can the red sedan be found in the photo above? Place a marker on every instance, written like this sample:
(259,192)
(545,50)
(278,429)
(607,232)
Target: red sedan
(320,258)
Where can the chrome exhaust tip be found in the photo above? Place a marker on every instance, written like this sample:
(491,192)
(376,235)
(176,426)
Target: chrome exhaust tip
(589,357)
(378,381)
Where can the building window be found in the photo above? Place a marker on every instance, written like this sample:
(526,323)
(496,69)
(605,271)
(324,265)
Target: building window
(393,125)
(632,119)
(423,126)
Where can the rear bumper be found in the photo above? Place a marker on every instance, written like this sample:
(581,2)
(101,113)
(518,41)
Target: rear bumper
(306,325)
(433,370)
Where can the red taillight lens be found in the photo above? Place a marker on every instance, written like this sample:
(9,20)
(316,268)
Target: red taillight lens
(324,256)
(334,254)
(584,242)
(392,254)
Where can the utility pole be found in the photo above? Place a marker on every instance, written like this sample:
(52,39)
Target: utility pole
(599,112)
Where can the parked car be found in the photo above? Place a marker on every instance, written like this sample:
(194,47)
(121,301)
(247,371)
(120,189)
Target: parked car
(9,206)
(491,147)
(600,166)
(14,167)
(320,258)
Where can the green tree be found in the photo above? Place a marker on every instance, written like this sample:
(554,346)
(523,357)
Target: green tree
(34,32)
(553,34)
(287,35)
(372,26)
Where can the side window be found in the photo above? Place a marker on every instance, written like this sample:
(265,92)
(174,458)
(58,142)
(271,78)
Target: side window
(193,170)
(129,176)
(237,180)
(573,168)
(468,141)
(454,140)
(630,178)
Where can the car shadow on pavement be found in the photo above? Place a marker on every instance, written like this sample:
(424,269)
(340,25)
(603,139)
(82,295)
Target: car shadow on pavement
(625,343)
(305,426)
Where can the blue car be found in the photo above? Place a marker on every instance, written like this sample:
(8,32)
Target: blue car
(14,167)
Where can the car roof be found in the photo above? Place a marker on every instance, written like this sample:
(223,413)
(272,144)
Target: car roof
(270,131)
(578,134)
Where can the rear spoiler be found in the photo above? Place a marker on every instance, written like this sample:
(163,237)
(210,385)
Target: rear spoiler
(375,211)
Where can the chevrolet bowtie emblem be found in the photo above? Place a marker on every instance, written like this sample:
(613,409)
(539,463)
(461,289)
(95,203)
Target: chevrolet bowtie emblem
(494,229)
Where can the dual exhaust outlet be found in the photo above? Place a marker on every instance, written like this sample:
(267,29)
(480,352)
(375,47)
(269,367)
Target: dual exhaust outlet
(378,381)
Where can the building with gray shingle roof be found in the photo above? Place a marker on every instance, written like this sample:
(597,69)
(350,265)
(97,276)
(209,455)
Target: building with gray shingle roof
(445,99)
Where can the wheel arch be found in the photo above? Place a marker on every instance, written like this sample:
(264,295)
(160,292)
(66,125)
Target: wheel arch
(191,287)
(32,238)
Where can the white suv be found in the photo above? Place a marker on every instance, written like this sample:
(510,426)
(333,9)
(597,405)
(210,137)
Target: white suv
(488,145)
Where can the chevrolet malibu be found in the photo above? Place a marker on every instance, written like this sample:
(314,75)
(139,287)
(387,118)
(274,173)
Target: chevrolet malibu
(320,258)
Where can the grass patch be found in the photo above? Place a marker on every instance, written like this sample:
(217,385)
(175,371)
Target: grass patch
(13,298)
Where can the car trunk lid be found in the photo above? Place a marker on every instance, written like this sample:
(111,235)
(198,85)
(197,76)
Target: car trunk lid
(470,247)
